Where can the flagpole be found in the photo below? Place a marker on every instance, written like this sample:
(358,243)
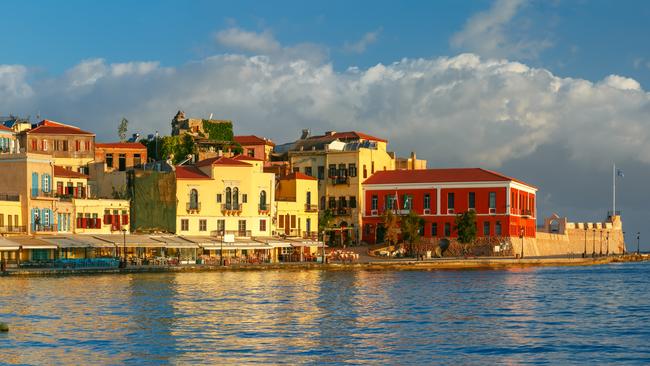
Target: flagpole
(613,191)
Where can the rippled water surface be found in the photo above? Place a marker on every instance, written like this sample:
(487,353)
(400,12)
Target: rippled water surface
(590,315)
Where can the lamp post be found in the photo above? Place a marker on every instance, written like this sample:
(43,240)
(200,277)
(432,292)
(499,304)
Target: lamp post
(607,252)
(223,232)
(124,246)
(593,245)
(521,234)
(601,243)
(638,243)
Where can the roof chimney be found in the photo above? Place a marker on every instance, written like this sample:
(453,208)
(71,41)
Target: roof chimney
(413,160)
(330,133)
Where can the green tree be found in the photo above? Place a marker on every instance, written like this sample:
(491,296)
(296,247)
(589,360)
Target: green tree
(178,146)
(122,129)
(466,227)
(411,226)
(392,227)
(325,221)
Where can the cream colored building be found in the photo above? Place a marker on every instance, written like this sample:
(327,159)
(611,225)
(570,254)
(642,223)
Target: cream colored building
(341,161)
(296,200)
(225,196)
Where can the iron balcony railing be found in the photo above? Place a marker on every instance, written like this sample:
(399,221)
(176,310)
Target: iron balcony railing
(310,235)
(311,208)
(193,207)
(263,207)
(13,229)
(236,207)
(339,180)
(9,197)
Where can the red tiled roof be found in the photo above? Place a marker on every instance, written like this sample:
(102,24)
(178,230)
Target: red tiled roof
(121,145)
(350,135)
(4,128)
(55,128)
(298,175)
(190,172)
(244,158)
(221,161)
(450,175)
(252,140)
(62,172)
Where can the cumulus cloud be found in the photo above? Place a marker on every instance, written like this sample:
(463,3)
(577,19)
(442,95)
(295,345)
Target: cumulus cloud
(243,40)
(363,43)
(491,33)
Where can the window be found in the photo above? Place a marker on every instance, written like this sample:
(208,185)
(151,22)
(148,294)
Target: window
(250,152)
(472,200)
(332,202)
(353,202)
(308,171)
(427,201)
(185,224)
(228,198)
(372,167)
(87,145)
(332,171)
(296,170)
(497,228)
(293,221)
(221,226)
(321,172)
(352,170)
(486,228)
(34,145)
(373,202)
(47,183)
(343,171)
(493,200)
(407,202)
(263,200)
(262,225)
(447,229)
(450,201)
(365,172)
(242,227)
(390,201)
(218,197)
(137,159)
(122,162)
(194,199)
(77,145)
(434,229)
(203,225)
(343,203)
(44,144)
(308,199)
(244,198)
(235,198)
(322,203)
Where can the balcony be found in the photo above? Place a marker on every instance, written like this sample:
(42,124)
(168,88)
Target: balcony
(526,213)
(263,208)
(193,207)
(345,211)
(13,229)
(231,208)
(311,208)
(40,194)
(336,180)
(313,235)
(45,228)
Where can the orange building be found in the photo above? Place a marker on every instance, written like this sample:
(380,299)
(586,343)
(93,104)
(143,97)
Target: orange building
(120,156)
(255,147)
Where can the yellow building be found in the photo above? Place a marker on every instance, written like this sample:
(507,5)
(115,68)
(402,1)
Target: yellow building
(225,196)
(10,214)
(296,206)
(341,161)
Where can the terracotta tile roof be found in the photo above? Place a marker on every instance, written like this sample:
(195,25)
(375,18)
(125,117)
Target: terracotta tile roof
(62,172)
(190,172)
(56,128)
(121,145)
(3,128)
(297,175)
(221,161)
(252,140)
(350,135)
(244,158)
(450,175)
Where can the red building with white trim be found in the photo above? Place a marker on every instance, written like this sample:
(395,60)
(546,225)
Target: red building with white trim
(504,206)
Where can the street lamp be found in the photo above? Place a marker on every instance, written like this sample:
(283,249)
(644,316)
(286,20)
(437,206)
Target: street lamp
(607,252)
(521,234)
(584,254)
(593,244)
(638,242)
(124,246)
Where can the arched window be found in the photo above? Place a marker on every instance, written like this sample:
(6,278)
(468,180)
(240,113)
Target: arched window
(194,199)
(263,200)
(235,198)
(228,198)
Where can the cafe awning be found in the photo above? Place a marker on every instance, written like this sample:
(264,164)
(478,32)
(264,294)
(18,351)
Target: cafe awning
(175,242)
(8,245)
(78,241)
(30,242)
(131,241)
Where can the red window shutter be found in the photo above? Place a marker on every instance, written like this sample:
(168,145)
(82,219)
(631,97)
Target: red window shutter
(84,223)
(116,220)
(125,219)
(79,222)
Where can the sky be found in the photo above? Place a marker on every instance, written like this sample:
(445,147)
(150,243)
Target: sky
(550,92)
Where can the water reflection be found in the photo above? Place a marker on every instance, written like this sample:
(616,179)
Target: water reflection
(555,315)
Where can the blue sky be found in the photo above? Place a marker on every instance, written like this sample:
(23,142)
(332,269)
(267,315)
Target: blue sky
(551,92)
(588,39)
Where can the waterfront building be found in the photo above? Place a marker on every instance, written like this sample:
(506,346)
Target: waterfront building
(69,146)
(340,161)
(7,140)
(297,209)
(255,147)
(113,161)
(504,206)
(224,195)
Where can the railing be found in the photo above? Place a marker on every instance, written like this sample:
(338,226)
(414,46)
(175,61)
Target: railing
(13,229)
(46,228)
(263,207)
(40,194)
(339,180)
(239,233)
(233,207)
(526,213)
(341,211)
(72,263)
(193,206)
(313,235)
(9,197)
(311,208)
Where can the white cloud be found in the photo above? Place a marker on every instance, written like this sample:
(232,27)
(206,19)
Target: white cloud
(363,43)
(243,40)
(491,33)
